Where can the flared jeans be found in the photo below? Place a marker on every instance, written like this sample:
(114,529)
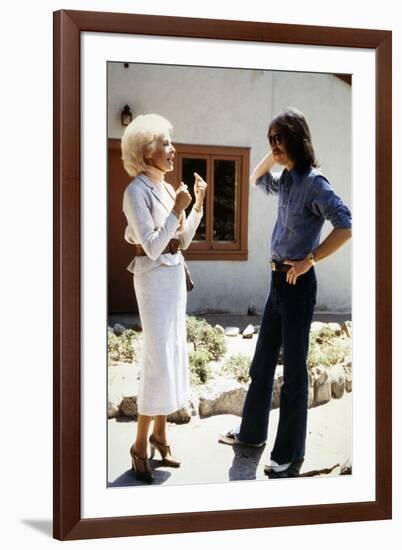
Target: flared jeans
(286,322)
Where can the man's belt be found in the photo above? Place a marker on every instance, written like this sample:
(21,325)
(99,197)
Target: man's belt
(172,247)
(278,266)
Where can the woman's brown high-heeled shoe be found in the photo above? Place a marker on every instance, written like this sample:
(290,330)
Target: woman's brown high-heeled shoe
(164,450)
(141,467)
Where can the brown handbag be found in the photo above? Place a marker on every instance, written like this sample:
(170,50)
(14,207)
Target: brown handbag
(189,281)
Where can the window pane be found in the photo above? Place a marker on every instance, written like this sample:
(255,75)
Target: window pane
(224,200)
(189,166)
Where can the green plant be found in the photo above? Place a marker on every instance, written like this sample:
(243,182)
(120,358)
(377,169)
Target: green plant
(238,367)
(200,372)
(326,349)
(204,336)
(122,348)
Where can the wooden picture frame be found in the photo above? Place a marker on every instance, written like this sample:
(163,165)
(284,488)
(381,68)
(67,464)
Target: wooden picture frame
(68,26)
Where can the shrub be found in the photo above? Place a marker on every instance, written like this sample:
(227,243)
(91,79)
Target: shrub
(238,367)
(121,348)
(200,372)
(326,349)
(203,336)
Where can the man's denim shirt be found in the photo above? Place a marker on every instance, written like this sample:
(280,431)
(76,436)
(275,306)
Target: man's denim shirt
(305,202)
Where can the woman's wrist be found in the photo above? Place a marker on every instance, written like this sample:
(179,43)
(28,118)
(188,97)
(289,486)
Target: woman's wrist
(176,213)
(198,207)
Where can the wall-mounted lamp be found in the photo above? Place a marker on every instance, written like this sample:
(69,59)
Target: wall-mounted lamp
(126,116)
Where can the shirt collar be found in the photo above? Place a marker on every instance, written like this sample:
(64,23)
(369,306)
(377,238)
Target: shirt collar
(295,175)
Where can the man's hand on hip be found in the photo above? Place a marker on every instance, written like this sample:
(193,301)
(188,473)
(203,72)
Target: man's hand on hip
(299,267)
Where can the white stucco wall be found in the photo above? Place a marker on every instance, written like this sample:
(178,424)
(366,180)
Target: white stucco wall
(233,107)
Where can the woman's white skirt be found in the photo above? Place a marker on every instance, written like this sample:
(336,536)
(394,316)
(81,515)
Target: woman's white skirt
(164,380)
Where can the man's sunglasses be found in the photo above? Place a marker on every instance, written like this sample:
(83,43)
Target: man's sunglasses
(275,138)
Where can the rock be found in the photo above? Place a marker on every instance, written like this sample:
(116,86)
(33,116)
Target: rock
(128,406)
(310,389)
(112,409)
(252,310)
(346,468)
(222,397)
(182,416)
(232,331)
(337,379)
(195,402)
(185,414)
(123,388)
(248,331)
(316,326)
(348,380)
(118,329)
(219,329)
(122,382)
(278,381)
(322,389)
(347,328)
(347,363)
(335,328)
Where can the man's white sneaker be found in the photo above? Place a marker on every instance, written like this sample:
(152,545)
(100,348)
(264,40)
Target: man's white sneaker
(275,467)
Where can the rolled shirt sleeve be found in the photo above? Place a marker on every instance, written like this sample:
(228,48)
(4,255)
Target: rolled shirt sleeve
(268,183)
(324,202)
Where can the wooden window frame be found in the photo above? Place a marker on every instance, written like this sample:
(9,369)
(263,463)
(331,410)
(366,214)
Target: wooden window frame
(218,250)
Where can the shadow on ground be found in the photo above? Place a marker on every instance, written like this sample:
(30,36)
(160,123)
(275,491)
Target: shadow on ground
(128,479)
(245,463)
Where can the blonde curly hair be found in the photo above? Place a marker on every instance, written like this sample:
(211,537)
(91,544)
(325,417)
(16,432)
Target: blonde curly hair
(139,141)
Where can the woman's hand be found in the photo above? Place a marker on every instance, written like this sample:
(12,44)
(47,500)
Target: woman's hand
(183,199)
(200,187)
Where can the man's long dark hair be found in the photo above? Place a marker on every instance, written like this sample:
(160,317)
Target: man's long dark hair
(292,125)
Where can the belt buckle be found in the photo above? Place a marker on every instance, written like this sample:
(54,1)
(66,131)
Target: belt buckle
(273,265)
(171,248)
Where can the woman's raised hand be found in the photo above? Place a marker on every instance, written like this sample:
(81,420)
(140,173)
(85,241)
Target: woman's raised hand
(183,198)
(200,187)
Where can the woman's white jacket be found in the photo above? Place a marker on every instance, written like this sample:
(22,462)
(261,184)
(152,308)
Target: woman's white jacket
(151,223)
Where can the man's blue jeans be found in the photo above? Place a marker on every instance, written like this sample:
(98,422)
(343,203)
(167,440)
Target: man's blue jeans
(286,321)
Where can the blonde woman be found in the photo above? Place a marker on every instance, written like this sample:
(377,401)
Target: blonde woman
(157,228)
